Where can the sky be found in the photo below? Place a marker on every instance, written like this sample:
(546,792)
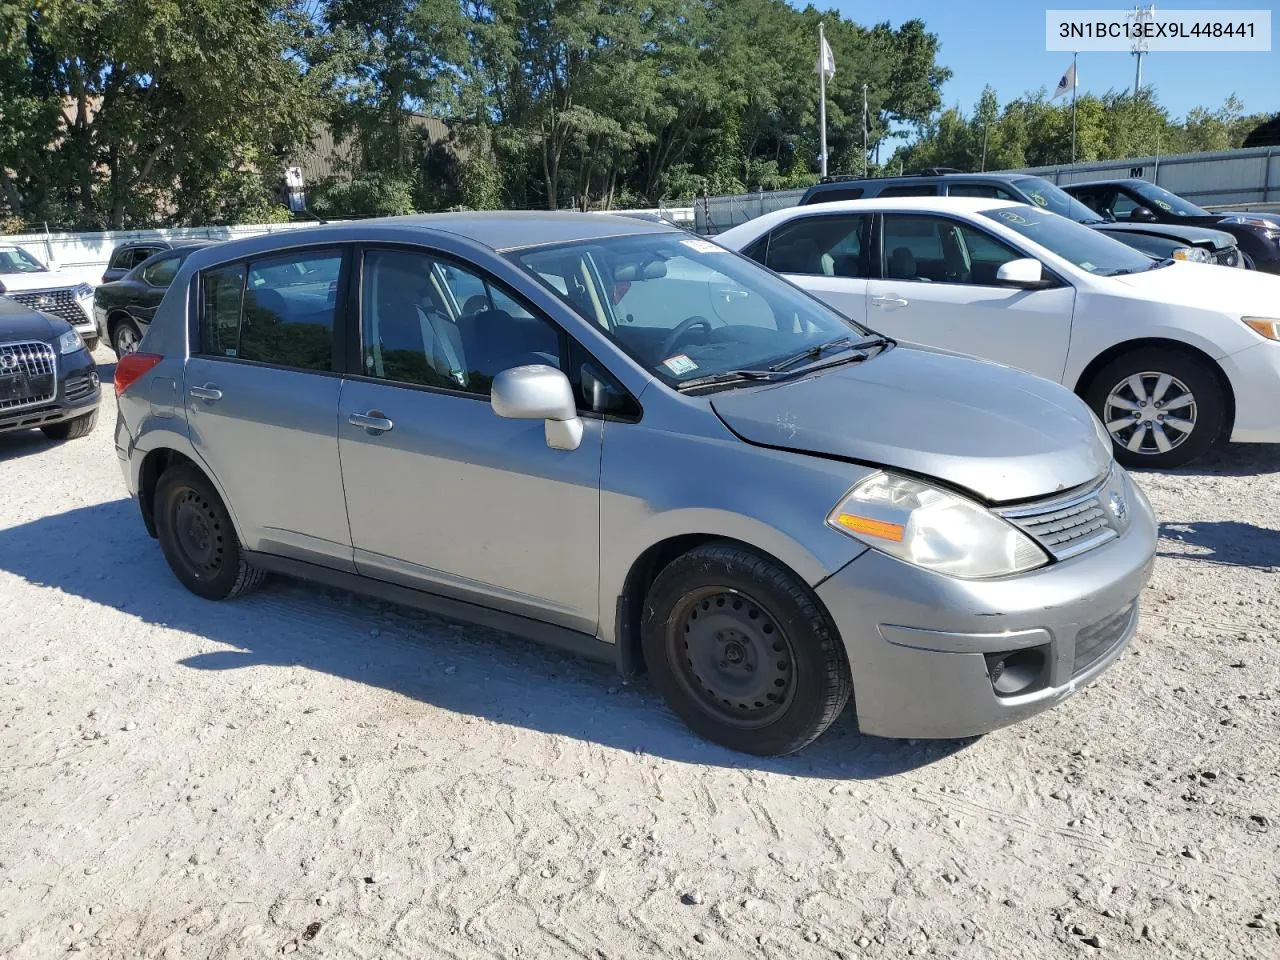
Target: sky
(1002,43)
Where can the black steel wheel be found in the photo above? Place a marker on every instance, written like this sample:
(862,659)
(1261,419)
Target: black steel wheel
(743,651)
(198,538)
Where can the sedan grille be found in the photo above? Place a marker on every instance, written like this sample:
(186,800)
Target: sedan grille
(1066,525)
(1093,643)
(27,376)
(1229,257)
(60,303)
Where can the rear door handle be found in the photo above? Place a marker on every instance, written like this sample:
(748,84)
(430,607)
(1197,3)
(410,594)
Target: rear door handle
(890,301)
(373,421)
(208,392)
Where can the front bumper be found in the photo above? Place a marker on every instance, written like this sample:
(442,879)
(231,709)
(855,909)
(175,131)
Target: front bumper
(78,393)
(918,641)
(1255,380)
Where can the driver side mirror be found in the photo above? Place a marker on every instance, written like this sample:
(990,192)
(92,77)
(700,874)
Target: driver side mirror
(1025,274)
(539,392)
(1142,215)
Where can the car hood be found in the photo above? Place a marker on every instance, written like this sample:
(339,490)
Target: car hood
(1208,287)
(1000,433)
(21,323)
(48,280)
(1218,239)
(1273,218)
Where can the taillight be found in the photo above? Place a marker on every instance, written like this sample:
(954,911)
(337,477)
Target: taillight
(131,366)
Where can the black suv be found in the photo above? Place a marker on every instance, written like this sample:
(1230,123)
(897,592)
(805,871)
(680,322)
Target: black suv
(47,378)
(1139,202)
(1158,240)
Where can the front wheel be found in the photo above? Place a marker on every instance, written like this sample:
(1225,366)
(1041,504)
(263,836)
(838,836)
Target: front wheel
(125,338)
(74,429)
(1163,408)
(743,652)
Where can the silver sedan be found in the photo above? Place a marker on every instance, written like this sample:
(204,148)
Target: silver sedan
(618,438)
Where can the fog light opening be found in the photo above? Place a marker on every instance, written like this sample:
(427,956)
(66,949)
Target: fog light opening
(1016,672)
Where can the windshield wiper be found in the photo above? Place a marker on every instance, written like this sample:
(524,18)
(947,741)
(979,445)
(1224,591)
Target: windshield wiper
(812,353)
(729,376)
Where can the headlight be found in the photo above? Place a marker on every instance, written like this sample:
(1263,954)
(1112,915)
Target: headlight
(933,528)
(82,291)
(1192,254)
(1266,326)
(70,342)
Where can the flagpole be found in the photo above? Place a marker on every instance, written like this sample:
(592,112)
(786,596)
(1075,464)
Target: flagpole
(864,130)
(822,93)
(1075,82)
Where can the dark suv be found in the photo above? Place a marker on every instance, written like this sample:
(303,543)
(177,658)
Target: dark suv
(1141,203)
(47,378)
(1160,240)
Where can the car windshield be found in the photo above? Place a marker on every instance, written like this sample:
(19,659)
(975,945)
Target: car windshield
(15,260)
(688,309)
(1161,199)
(1049,197)
(1088,249)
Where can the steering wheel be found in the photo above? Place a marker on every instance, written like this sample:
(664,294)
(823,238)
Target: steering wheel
(675,336)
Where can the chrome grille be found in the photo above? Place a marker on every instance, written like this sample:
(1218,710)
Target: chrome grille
(1093,643)
(1229,257)
(27,360)
(60,303)
(1069,524)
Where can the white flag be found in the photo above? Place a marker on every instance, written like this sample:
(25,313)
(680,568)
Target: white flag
(826,60)
(1068,82)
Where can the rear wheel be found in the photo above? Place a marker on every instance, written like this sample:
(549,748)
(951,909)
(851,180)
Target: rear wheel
(125,337)
(72,429)
(198,538)
(1163,408)
(743,652)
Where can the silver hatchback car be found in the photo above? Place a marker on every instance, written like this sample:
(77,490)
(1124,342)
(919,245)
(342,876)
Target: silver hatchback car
(616,437)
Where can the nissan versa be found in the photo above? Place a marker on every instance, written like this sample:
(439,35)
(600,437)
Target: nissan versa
(614,436)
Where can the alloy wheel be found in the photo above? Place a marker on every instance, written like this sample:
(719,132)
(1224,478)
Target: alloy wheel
(1150,413)
(126,339)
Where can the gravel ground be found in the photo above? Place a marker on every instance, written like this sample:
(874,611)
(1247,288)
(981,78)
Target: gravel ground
(304,771)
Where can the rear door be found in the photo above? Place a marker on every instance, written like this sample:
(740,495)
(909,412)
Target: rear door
(153,282)
(262,387)
(827,254)
(939,288)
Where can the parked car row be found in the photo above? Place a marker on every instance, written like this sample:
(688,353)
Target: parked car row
(1181,239)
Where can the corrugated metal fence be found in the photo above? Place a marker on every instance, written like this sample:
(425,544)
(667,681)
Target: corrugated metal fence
(1230,178)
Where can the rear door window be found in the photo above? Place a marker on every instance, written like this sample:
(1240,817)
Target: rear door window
(985,191)
(161,273)
(221,299)
(830,246)
(290,304)
(912,190)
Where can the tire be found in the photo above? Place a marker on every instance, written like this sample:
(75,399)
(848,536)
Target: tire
(73,429)
(1112,394)
(125,337)
(197,536)
(764,672)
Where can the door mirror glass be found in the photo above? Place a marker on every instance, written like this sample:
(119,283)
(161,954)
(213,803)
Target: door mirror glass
(1026,273)
(539,392)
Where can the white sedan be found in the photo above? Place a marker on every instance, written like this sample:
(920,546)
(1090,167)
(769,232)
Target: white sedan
(1171,356)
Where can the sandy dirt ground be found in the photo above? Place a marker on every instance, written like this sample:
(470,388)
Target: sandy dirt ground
(305,771)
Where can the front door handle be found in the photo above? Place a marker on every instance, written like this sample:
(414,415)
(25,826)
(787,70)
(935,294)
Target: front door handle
(208,392)
(890,302)
(373,421)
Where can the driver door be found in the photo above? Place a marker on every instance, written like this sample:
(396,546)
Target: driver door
(940,289)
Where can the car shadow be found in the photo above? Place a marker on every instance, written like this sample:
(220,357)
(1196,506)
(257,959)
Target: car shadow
(468,670)
(23,443)
(1229,460)
(1227,543)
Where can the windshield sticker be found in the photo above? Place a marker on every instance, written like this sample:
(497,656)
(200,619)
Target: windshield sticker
(680,364)
(703,246)
(1039,200)
(1014,217)
(1162,205)
(1088,266)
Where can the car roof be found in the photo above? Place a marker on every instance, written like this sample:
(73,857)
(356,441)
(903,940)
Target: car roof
(499,231)
(759,225)
(918,178)
(1104,183)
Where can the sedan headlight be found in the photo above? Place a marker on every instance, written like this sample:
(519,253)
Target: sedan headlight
(934,528)
(1266,326)
(70,342)
(82,291)
(1192,254)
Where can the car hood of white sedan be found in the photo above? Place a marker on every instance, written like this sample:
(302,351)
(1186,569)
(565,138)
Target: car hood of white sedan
(1003,434)
(1249,293)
